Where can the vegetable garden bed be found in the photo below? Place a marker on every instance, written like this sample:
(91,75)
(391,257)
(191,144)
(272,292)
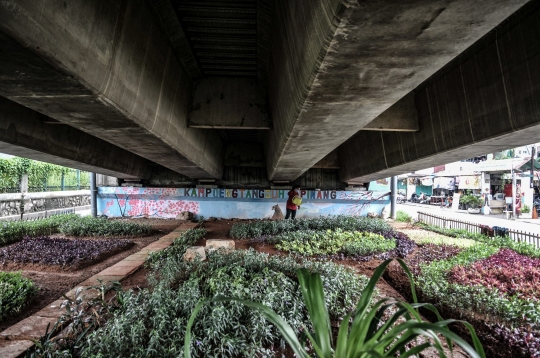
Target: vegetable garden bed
(493,283)
(151,322)
(52,281)
(337,237)
(68,253)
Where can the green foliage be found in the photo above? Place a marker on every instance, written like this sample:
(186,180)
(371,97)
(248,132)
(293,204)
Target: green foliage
(13,231)
(471,200)
(370,334)
(526,209)
(12,169)
(90,226)
(428,237)
(160,259)
(152,323)
(268,227)
(500,242)
(402,216)
(332,242)
(15,292)
(434,284)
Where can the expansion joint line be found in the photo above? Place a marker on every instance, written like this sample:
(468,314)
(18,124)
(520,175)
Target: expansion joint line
(504,84)
(384,150)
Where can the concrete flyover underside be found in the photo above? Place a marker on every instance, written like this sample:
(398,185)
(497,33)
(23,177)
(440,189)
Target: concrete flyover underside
(481,103)
(338,65)
(181,83)
(106,68)
(28,134)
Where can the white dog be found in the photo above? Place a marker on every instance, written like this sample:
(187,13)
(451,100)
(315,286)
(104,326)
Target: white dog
(278,214)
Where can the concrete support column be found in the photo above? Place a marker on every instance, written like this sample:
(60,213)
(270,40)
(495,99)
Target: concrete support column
(393,197)
(93,194)
(24,183)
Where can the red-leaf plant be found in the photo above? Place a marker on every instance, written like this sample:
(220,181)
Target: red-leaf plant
(507,271)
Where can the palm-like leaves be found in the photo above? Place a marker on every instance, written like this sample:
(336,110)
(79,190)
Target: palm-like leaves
(369,334)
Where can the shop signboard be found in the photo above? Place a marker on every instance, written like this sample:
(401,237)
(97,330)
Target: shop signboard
(469,182)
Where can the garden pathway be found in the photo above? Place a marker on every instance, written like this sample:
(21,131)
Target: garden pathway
(17,339)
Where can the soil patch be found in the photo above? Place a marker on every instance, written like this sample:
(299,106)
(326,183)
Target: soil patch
(54,283)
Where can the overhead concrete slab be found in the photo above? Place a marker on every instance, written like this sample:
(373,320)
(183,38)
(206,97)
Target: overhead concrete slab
(479,104)
(400,117)
(29,134)
(222,102)
(336,65)
(106,68)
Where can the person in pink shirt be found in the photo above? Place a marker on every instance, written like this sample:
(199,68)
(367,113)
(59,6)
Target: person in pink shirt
(291,207)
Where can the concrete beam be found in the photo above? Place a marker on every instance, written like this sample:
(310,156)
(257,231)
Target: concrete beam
(222,102)
(106,68)
(336,65)
(29,134)
(400,117)
(477,105)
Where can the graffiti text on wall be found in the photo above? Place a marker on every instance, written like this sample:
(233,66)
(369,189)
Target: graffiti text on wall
(257,194)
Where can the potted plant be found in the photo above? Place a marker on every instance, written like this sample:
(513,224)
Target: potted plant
(474,204)
(526,212)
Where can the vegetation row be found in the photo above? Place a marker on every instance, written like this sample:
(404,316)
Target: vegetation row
(259,228)
(495,282)
(71,225)
(15,292)
(60,251)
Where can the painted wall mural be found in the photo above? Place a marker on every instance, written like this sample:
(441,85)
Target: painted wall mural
(233,203)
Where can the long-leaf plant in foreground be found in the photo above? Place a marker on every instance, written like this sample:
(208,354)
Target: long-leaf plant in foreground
(383,329)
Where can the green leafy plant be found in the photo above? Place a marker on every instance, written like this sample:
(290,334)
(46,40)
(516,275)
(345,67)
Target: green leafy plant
(369,334)
(327,242)
(15,292)
(39,173)
(13,231)
(271,227)
(402,216)
(152,322)
(476,299)
(90,226)
(526,209)
(497,241)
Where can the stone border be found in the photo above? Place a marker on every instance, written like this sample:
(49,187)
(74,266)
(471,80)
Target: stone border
(17,339)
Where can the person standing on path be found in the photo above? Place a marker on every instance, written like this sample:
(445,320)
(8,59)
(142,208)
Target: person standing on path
(291,207)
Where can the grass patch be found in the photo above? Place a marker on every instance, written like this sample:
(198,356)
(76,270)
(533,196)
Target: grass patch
(15,292)
(428,237)
(403,217)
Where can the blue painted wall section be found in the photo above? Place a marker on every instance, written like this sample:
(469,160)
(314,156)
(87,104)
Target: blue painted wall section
(233,203)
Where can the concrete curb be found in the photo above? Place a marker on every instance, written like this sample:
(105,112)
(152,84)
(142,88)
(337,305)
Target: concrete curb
(17,339)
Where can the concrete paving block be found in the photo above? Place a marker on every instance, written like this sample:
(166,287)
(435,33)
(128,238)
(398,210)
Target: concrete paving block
(32,327)
(14,349)
(93,281)
(131,263)
(137,257)
(215,244)
(158,246)
(194,252)
(118,271)
(52,310)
